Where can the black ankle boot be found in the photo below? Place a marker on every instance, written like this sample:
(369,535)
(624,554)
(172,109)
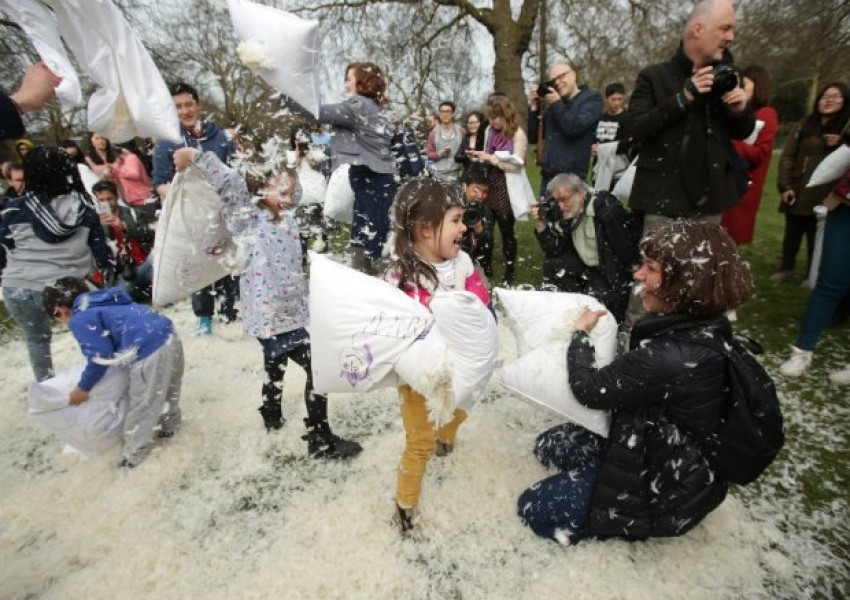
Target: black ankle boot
(405,519)
(509,274)
(270,409)
(322,443)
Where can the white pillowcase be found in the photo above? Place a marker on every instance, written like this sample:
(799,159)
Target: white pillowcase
(367,334)
(359,327)
(40,26)
(313,184)
(193,247)
(95,425)
(832,167)
(543,323)
(454,362)
(280,47)
(132,99)
(339,197)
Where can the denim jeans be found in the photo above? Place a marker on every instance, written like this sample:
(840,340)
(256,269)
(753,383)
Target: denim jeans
(373,197)
(139,288)
(833,278)
(25,307)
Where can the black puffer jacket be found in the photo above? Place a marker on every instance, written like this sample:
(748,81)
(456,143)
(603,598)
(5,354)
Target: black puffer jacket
(667,397)
(684,165)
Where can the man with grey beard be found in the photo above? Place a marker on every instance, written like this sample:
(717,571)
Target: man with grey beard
(589,242)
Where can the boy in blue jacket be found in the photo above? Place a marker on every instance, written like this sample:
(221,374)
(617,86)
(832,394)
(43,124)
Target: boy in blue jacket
(112,330)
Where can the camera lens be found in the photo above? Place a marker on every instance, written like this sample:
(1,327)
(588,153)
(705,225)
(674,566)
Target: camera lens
(550,210)
(472,215)
(725,79)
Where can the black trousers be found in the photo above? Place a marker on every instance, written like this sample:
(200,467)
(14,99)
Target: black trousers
(275,366)
(796,227)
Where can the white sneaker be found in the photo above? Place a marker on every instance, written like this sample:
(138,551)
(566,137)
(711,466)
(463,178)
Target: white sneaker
(841,377)
(798,363)
(781,276)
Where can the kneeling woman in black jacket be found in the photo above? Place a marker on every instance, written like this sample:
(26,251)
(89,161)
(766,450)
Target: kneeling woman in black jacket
(653,475)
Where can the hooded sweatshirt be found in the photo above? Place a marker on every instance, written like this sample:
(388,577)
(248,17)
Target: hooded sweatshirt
(113,330)
(41,241)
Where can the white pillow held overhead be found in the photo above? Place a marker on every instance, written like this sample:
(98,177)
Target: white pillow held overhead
(40,26)
(132,99)
(280,47)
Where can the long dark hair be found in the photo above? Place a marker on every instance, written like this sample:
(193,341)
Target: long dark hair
(812,124)
(80,157)
(49,172)
(111,153)
(422,201)
(762,85)
(482,128)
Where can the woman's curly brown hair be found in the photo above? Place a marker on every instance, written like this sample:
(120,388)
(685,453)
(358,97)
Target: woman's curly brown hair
(369,81)
(702,271)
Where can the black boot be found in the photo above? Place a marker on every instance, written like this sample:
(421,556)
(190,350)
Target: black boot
(405,519)
(321,443)
(509,273)
(270,409)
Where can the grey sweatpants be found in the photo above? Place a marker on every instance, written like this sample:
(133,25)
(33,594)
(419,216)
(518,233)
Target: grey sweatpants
(154,403)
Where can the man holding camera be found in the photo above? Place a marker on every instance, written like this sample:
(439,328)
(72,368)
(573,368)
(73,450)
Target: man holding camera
(132,233)
(589,243)
(477,240)
(567,130)
(682,114)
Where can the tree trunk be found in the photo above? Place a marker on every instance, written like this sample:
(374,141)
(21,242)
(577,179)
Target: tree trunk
(511,40)
(542,44)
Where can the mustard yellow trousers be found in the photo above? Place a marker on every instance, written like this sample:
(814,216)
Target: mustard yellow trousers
(420,442)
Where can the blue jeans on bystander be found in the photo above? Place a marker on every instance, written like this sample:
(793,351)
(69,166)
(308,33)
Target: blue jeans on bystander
(833,278)
(27,310)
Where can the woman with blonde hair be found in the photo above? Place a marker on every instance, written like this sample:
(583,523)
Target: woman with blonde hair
(504,142)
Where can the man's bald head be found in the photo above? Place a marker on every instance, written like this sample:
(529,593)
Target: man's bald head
(710,29)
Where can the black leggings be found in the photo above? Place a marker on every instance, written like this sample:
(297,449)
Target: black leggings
(275,366)
(797,226)
(506,221)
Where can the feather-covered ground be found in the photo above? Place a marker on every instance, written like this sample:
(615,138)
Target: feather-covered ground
(224,510)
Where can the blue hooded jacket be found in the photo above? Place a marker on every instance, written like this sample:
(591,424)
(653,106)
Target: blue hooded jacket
(213,140)
(113,330)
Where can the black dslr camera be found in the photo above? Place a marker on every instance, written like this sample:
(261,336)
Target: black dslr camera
(124,268)
(545,87)
(473,214)
(725,79)
(549,210)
